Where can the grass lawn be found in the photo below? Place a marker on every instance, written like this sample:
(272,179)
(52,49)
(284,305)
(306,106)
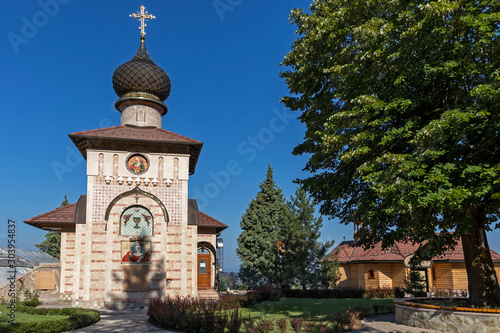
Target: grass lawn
(319,309)
(23,317)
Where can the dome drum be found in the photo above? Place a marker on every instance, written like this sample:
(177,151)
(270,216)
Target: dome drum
(142,114)
(124,102)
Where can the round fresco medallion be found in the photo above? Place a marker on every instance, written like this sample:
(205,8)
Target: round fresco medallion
(137,164)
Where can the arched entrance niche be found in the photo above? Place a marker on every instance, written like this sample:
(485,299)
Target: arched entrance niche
(136,233)
(206,265)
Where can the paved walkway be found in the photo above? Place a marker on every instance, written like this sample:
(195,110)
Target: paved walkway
(133,321)
(137,321)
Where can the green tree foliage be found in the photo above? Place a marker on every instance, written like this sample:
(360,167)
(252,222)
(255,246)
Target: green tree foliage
(250,278)
(231,279)
(223,284)
(65,201)
(257,243)
(301,249)
(414,284)
(401,102)
(329,273)
(52,242)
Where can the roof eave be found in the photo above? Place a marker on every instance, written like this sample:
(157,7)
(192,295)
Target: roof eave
(53,226)
(197,146)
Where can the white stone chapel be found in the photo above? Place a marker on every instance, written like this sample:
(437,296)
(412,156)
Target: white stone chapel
(135,235)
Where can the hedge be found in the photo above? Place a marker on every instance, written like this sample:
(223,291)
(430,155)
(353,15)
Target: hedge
(396,292)
(77,318)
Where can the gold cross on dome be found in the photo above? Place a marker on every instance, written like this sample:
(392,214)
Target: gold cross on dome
(142,17)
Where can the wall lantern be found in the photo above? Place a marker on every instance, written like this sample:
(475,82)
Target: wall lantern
(129,180)
(120,180)
(146,181)
(168,182)
(107,180)
(138,181)
(155,182)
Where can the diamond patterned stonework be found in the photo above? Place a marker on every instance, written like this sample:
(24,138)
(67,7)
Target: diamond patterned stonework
(136,221)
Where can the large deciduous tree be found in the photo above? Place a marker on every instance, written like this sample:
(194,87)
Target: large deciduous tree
(301,250)
(401,102)
(257,243)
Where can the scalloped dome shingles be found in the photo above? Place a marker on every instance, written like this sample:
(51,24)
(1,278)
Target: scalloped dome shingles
(141,75)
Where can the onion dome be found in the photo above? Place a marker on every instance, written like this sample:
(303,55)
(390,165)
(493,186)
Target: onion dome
(141,78)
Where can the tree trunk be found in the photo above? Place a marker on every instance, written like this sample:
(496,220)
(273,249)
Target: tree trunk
(484,290)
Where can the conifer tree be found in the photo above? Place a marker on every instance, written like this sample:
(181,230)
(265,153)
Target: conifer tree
(329,274)
(301,248)
(250,278)
(52,242)
(257,243)
(65,201)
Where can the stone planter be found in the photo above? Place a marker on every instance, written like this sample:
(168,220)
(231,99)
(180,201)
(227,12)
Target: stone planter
(445,318)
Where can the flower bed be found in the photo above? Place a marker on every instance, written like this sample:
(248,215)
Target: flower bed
(419,313)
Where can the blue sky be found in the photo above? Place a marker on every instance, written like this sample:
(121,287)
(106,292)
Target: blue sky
(223,56)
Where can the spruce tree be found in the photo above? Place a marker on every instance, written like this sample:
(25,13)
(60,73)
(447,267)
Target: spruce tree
(330,273)
(302,250)
(257,243)
(65,201)
(52,242)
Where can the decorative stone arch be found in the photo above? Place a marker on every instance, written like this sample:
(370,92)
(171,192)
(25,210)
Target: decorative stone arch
(136,191)
(208,246)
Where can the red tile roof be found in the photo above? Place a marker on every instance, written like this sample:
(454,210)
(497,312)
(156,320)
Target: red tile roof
(65,217)
(62,219)
(130,135)
(64,214)
(135,133)
(348,253)
(207,221)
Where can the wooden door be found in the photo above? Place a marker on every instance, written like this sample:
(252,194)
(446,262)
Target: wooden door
(204,271)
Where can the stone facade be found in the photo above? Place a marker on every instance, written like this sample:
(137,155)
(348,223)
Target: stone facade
(447,321)
(141,114)
(91,265)
(136,173)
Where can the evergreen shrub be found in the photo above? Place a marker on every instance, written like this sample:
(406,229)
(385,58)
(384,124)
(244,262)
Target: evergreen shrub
(266,293)
(78,318)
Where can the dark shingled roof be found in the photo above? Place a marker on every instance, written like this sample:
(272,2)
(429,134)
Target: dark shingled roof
(349,254)
(141,75)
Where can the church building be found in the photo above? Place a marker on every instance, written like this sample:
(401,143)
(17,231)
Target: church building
(135,235)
